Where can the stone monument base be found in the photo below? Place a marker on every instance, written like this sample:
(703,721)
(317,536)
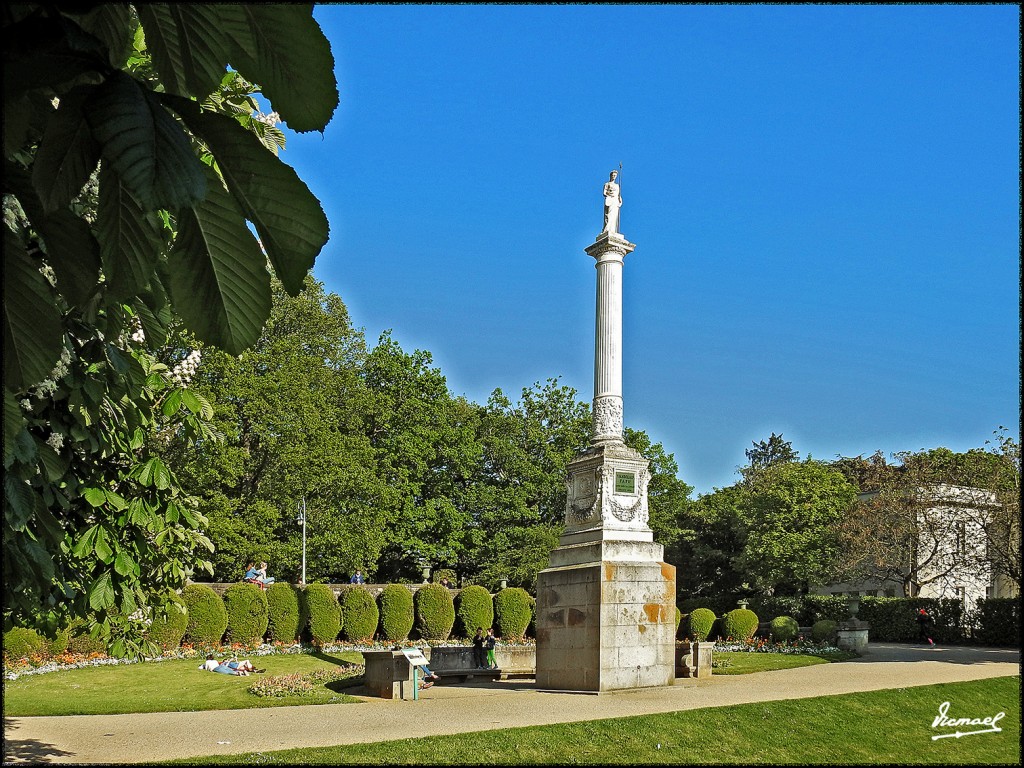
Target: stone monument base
(853,636)
(606,617)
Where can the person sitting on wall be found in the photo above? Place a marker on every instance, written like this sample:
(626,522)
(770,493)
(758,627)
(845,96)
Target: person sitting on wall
(261,575)
(251,573)
(357,577)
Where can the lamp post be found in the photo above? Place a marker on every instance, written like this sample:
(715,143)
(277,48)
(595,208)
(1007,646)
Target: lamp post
(301,520)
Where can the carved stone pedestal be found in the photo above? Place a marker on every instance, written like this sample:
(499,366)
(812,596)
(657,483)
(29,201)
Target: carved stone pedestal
(606,617)
(606,602)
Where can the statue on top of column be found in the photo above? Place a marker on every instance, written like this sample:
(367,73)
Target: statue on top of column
(612,203)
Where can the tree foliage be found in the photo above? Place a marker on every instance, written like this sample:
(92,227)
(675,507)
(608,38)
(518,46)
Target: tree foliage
(396,472)
(131,166)
(765,453)
(791,516)
(933,515)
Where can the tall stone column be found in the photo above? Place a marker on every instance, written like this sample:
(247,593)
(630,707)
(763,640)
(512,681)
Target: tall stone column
(606,601)
(610,250)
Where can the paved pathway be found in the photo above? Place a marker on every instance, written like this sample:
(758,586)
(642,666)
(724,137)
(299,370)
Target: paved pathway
(463,708)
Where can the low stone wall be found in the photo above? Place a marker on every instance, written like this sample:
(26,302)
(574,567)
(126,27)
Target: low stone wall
(511,659)
(375,589)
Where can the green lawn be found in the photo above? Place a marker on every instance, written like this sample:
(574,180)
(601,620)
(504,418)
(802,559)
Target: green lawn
(878,727)
(178,686)
(166,686)
(743,663)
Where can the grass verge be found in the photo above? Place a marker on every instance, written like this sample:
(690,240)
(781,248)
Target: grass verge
(877,727)
(178,686)
(166,686)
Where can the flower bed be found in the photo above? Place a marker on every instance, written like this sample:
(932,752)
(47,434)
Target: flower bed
(41,663)
(766,645)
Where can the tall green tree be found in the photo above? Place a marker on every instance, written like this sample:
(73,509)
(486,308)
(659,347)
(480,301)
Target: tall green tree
(425,450)
(93,248)
(791,517)
(292,409)
(765,453)
(709,552)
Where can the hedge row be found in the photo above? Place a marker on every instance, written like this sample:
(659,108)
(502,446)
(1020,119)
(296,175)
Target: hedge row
(286,613)
(996,621)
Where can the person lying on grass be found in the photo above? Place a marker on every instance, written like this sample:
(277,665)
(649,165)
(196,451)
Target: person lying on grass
(242,668)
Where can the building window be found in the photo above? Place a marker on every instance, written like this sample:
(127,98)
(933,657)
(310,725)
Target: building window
(890,593)
(961,595)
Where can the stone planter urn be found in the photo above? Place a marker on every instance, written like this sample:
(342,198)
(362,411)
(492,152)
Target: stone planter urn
(853,605)
(693,658)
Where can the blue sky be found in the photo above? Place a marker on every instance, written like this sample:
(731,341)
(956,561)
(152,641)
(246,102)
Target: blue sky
(824,200)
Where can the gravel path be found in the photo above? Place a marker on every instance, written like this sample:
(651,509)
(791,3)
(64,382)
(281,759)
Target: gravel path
(470,707)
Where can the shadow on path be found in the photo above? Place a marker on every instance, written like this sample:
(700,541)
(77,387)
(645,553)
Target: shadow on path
(948,654)
(28,750)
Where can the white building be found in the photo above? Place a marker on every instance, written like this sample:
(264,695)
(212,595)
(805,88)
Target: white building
(950,550)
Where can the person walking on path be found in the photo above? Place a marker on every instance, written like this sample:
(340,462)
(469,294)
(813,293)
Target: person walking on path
(924,627)
(478,648)
(489,642)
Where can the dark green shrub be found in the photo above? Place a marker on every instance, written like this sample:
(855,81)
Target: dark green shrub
(719,604)
(474,608)
(513,607)
(59,643)
(445,573)
(818,607)
(435,612)
(824,630)
(396,612)
(699,623)
(169,624)
(20,642)
(207,617)
(999,621)
(324,614)
(81,642)
(769,607)
(359,613)
(286,613)
(893,619)
(246,606)
(739,624)
(784,628)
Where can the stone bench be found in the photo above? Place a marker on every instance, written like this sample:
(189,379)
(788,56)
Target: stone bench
(455,663)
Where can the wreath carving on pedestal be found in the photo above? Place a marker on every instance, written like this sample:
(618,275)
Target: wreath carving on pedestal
(578,513)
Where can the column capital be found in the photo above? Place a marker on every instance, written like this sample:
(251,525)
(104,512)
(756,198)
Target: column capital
(609,242)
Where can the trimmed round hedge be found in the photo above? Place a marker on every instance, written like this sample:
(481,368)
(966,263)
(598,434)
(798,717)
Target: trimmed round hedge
(784,628)
(359,613)
(700,623)
(435,612)
(679,618)
(286,612)
(473,608)
(740,624)
(513,608)
(324,614)
(80,641)
(394,604)
(824,630)
(169,623)
(247,610)
(20,642)
(207,617)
